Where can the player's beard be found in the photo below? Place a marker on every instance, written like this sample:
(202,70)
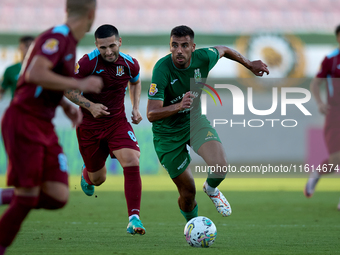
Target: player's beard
(181,60)
(112,58)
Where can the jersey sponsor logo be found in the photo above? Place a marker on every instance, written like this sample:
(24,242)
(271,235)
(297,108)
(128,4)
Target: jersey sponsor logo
(50,46)
(210,134)
(101,70)
(69,57)
(172,82)
(120,70)
(153,89)
(76,68)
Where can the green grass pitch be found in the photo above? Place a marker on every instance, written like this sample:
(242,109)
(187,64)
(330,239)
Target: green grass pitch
(270,216)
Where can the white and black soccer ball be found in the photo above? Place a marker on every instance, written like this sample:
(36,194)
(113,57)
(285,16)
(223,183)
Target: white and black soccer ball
(200,232)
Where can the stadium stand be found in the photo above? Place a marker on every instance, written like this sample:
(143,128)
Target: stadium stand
(157,16)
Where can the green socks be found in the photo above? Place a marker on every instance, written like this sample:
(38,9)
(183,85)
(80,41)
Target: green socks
(214,182)
(189,215)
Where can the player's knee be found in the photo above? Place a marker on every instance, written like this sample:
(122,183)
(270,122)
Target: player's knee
(134,161)
(131,161)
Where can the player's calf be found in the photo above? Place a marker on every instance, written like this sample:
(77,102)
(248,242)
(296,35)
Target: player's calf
(13,217)
(48,202)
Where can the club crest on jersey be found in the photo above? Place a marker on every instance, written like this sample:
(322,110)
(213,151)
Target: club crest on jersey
(120,70)
(197,75)
(50,46)
(76,68)
(153,89)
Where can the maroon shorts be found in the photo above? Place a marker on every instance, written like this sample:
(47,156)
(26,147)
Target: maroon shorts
(34,154)
(96,144)
(332,130)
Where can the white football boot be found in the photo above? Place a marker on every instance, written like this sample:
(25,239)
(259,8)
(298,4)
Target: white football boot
(310,186)
(221,203)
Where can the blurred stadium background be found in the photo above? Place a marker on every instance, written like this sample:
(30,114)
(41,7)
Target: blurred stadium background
(292,37)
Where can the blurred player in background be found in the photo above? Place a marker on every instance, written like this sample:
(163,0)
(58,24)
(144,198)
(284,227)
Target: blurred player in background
(105,129)
(11,74)
(37,167)
(330,74)
(170,107)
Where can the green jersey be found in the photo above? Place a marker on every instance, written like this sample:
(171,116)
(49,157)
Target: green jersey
(11,76)
(170,84)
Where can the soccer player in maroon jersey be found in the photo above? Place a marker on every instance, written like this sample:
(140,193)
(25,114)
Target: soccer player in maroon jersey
(329,72)
(105,129)
(37,166)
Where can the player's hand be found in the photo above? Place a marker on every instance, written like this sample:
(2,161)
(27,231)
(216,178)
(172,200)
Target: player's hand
(187,101)
(323,108)
(74,114)
(136,116)
(91,84)
(258,68)
(98,110)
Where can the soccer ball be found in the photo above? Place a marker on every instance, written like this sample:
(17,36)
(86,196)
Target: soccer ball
(200,232)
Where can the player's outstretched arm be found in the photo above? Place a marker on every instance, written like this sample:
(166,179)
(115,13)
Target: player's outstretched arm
(315,89)
(257,67)
(97,110)
(156,111)
(40,72)
(135,89)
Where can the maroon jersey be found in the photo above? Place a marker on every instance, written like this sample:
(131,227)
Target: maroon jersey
(115,77)
(330,69)
(59,46)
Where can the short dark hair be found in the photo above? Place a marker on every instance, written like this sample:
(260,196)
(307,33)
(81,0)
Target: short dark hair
(105,31)
(79,7)
(181,31)
(337,30)
(26,39)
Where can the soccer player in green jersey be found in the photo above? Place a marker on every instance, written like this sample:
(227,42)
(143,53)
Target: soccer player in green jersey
(12,72)
(176,123)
